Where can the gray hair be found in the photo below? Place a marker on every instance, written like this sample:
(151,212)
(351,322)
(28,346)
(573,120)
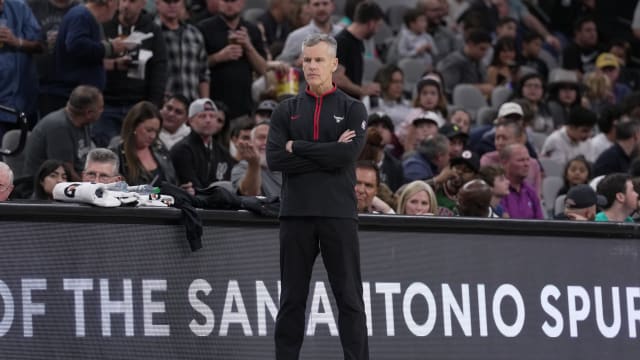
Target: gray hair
(83,97)
(505,154)
(315,39)
(4,168)
(103,155)
(433,146)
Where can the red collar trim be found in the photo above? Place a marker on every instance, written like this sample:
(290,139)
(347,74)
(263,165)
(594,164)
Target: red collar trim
(333,89)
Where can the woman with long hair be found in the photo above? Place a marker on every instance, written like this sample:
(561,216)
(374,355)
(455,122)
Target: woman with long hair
(143,158)
(391,100)
(50,173)
(503,67)
(417,198)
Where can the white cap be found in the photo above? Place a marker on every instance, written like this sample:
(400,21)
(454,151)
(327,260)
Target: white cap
(429,116)
(200,105)
(510,108)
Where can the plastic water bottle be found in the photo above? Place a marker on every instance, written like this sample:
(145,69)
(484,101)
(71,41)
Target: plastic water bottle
(144,189)
(118,186)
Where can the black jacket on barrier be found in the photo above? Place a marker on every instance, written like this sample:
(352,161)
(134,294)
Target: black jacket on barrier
(318,178)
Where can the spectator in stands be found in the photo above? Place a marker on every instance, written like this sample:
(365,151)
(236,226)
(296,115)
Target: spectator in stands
(564,95)
(580,55)
(507,133)
(414,41)
(463,66)
(81,50)
(430,157)
(523,201)
(348,77)
(448,182)
(417,198)
(607,120)
(274,25)
(51,173)
(529,55)
(422,127)
(494,176)
(474,200)
(174,119)
(251,176)
(576,172)
(531,90)
(391,173)
(617,158)
(235,51)
(19,36)
(445,40)
(102,166)
(502,70)
(429,98)
(629,76)
(264,110)
(321,11)
(581,204)
(461,118)
(64,134)
(300,15)
(6,181)
(597,95)
(571,139)
(188,73)
(622,199)
(367,184)
(240,135)
(142,157)
(391,100)
(131,76)
(199,159)
(457,139)
(610,67)
(49,15)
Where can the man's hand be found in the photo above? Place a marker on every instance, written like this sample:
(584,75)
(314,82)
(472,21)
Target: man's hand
(242,38)
(371,89)
(279,66)
(289,146)
(444,175)
(230,53)
(347,136)
(553,41)
(248,153)
(188,187)
(122,63)
(7,37)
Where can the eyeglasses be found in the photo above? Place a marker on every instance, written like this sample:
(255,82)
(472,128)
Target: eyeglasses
(92,176)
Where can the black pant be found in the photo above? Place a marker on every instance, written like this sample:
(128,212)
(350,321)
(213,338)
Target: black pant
(300,241)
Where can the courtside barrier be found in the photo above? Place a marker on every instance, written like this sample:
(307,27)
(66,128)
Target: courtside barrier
(78,282)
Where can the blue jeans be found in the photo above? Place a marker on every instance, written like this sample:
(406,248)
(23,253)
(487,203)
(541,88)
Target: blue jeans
(109,124)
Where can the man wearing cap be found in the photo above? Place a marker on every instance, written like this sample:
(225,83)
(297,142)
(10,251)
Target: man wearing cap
(422,126)
(174,121)
(448,182)
(523,201)
(610,67)
(570,140)
(264,111)
(622,199)
(580,204)
(251,176)
(430,157)
(199,158)
(457,139)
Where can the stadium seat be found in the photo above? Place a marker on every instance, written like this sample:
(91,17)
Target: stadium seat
(395,16)
(10,140)
(500,95)
(559,206)
(550,187)
(413,70)
(486,115)
(468,97)
(551,167)
(371,67)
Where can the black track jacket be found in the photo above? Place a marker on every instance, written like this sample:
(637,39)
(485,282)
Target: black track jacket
(318,178)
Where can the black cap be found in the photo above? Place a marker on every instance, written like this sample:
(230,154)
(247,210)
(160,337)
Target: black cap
(452,130)
(469,158)
(583,196)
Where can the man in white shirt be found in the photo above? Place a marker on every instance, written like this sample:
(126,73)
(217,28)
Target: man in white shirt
(174,119)
(570,140)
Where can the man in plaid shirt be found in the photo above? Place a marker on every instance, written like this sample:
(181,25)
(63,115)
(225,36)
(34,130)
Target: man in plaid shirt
(188,71)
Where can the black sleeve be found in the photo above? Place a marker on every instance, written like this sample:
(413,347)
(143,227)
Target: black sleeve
(185,165)
(158,69)
(570,58)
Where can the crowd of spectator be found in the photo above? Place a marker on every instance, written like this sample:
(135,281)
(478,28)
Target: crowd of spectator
(485,108)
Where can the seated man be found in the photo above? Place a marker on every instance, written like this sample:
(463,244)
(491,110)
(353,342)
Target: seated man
(430,157)
(240,134)
(570,140)
(474,199)
(101,167)
(367,184)
(199,159)
(448,182)
(6,181)
(580,204)
(523,201)
(251,176)
(174,119)
(622,199)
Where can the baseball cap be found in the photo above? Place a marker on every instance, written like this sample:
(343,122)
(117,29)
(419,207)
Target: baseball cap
(469,158)
(428,116)
(267,105)
(452,130)
(607,60)
(583,196)
(510,108)
(201,105)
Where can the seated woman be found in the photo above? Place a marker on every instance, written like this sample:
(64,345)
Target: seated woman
(503,68)
(391,100)
(51,173)
(143,158)
(417,198)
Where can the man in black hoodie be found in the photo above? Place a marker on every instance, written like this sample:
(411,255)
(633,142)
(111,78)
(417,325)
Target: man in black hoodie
(131,79)
(314,140)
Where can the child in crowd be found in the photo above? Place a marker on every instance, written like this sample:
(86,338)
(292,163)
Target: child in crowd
(414,41)
(495,177)
(576,172)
